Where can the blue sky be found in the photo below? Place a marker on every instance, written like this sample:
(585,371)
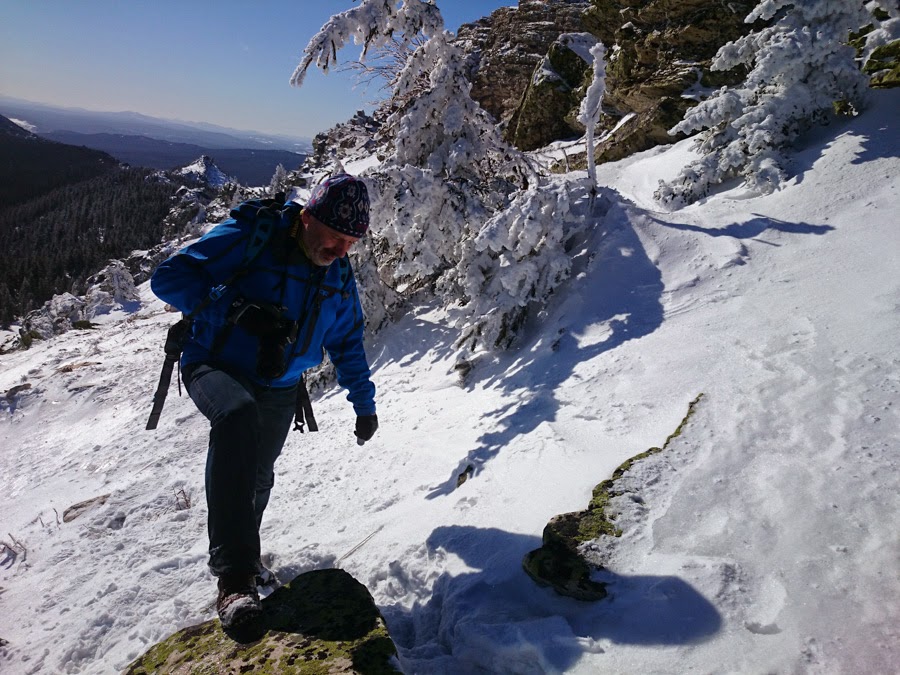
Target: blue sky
(226,62)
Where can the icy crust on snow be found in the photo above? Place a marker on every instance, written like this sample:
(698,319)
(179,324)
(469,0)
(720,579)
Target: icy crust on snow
(762,540)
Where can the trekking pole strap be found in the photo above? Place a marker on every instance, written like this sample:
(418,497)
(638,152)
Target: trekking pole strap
(162,390)
(304,411)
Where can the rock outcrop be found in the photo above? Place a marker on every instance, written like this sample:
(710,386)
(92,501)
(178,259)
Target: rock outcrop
(884,66)
(526,75)
(504,51)
(560,562)
(664,50)
(322,622)
(353,139)
(204,171)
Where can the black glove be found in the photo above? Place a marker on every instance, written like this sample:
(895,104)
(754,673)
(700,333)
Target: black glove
(366,426)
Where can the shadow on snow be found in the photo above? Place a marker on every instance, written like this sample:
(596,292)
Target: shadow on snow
(752,228)
(621,289)
(497,604)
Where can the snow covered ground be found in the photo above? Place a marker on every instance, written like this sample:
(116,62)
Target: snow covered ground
(764,540)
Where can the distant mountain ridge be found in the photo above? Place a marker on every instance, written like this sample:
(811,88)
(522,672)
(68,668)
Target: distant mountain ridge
(48,118)
(10,128)
(251,167)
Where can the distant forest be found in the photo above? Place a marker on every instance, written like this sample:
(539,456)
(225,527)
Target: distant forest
(50,244)
(31,166)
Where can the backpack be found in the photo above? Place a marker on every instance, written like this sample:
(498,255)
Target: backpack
(265,214)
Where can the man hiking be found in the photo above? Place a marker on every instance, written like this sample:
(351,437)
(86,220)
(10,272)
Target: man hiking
(260,321)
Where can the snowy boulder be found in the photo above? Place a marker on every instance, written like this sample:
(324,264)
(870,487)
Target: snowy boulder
(112,288)
(57,316)
(323,621)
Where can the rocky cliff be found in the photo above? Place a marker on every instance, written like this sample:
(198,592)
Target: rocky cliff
(526,73)
(506,50)
(661,63)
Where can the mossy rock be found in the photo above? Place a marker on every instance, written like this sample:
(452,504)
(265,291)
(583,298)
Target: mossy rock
(322,622)
(564,571)
(544,114)
(884,66)
(558,563)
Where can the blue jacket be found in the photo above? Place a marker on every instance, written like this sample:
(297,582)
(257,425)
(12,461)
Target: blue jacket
(323,301)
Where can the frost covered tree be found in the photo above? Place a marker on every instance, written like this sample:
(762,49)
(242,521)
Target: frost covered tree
(455,209)
(800,66)
(372,23)
(589,110)
(279,180)
(383,65)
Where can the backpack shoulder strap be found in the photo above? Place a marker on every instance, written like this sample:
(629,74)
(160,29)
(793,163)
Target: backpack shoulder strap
(264,222)
(346,271)
(264,214)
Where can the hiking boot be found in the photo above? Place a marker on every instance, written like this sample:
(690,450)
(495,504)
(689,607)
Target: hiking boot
(238,601)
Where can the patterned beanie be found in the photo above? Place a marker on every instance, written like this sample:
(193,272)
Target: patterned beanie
(342,203)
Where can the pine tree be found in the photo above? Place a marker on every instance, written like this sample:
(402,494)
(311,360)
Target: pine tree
(279,180)
(800,66)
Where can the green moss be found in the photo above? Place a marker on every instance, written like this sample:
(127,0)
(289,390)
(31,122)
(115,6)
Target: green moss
(558,562)
(27,338)
(884,66)
(322,622)
(857,39)
(884,56)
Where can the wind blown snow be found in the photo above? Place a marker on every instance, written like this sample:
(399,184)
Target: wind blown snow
(764,539)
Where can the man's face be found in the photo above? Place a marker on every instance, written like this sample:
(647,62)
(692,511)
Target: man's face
(322,244)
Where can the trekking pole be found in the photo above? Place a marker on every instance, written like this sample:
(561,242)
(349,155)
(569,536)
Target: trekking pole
(175,339)
(162,390)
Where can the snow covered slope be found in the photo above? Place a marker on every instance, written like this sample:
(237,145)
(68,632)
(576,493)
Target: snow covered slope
(763,540)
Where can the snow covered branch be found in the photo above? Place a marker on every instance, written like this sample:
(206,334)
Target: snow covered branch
(589,111)
(373,23)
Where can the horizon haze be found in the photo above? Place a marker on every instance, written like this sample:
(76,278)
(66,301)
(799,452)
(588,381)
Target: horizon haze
(229,66)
